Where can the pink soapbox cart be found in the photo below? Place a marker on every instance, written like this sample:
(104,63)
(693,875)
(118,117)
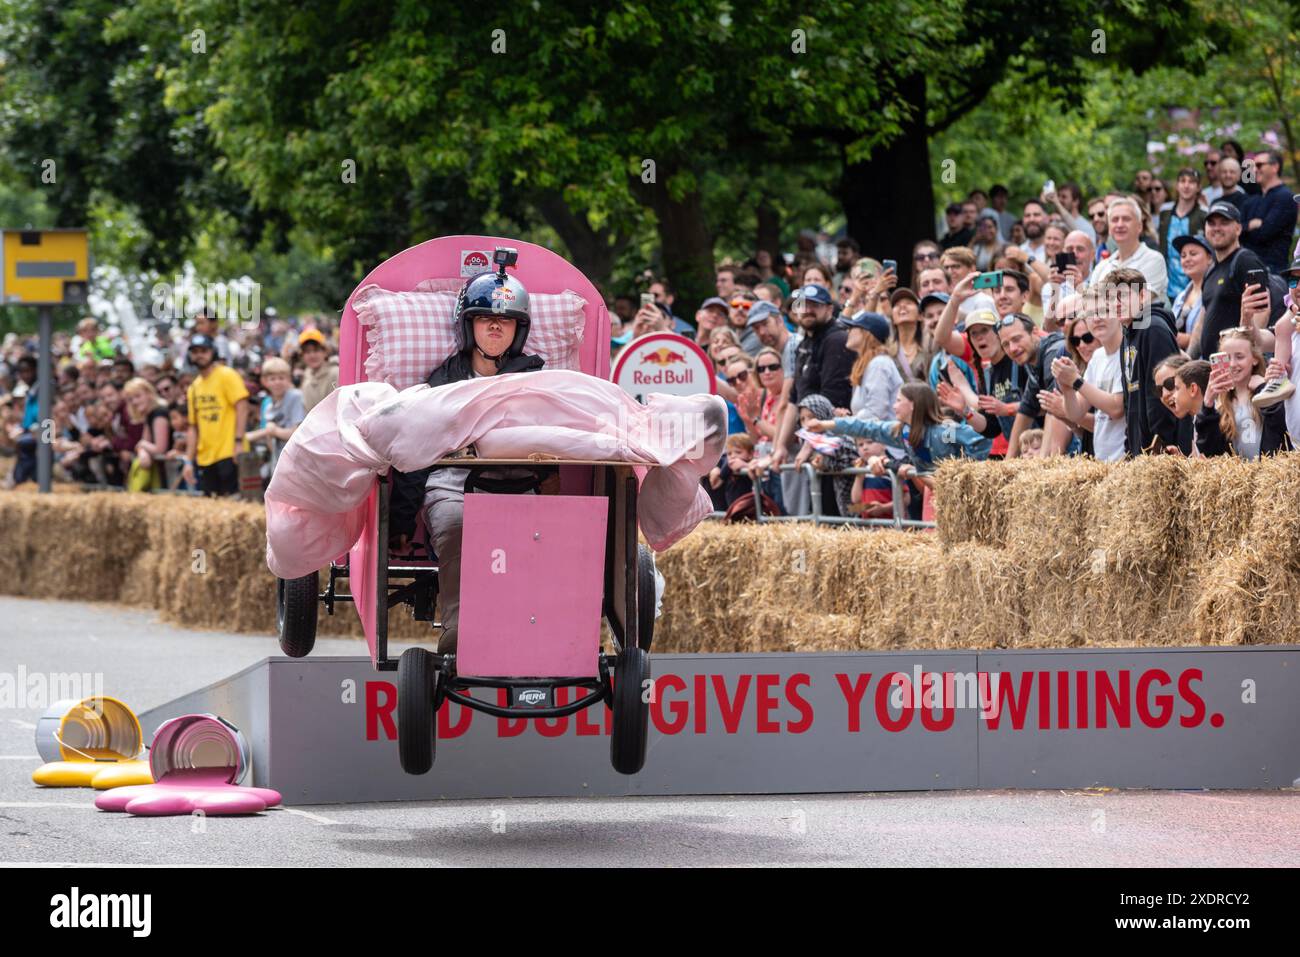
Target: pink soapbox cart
(538,572)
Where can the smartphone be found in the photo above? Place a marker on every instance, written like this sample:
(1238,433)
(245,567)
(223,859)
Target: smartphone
(1049,188)
(1258,277)
(1063,260)
(647,299)
(1218,360)
(890,264)
(988,280)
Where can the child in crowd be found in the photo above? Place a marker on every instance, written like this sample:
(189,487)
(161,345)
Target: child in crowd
(1279,388)
(1031,444)
(1229,421)
(282,411)
(871,494)
(925,436)
(1281,371)
(179,418)
(835,457)
(732,474)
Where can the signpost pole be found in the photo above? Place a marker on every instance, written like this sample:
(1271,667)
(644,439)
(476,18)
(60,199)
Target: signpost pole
(44,382)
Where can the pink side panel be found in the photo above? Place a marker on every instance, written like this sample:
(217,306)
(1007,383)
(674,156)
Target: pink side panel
(361,576)
(532,578)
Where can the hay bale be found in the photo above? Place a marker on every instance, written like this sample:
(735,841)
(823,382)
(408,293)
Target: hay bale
(1274,528)
(1246,600)
(1046,507)
(1137,520)
(1218,504)
(968,502)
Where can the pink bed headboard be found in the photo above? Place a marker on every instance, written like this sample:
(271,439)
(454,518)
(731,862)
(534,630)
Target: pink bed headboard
(539,269)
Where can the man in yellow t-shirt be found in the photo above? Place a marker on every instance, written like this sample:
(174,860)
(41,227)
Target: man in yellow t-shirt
(218,411)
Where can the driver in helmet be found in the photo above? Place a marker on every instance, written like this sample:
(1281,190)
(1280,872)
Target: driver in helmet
(492,322)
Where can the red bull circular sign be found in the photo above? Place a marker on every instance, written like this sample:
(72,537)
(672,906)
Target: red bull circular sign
(664,362)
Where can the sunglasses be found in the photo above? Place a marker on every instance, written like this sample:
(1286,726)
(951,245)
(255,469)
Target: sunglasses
(1209,163)
(1167,385)
(1007,321)
(740,304)
(926,257)
(741,376)
(1087,337)
(768,368)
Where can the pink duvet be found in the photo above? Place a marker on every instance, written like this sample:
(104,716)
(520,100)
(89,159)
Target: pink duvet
(314,503)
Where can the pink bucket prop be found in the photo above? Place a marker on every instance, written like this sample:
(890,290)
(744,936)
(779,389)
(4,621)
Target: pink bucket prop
(197,761)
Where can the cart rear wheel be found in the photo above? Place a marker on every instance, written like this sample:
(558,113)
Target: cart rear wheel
(645,597)
(417,684)
(296,603)
(631,714)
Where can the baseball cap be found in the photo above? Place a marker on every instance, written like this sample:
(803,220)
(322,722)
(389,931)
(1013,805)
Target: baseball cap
(716,301)
(873,322)
(1225,209)
(201,342)
(933,297)
(759,311)
(311,335)
(982,317)
(902,292)
(1200,240)
(1294,267)
(814,292)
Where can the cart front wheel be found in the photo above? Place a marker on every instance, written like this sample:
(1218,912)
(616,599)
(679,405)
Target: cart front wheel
(631,713)
(417,683)
(296,603)
(645,596)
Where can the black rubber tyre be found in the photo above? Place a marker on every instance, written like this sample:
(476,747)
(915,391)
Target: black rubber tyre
(417,734)
(296,603)
(631,714)
(645,597)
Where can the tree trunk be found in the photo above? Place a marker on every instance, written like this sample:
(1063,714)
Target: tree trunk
(769,231)
(590,250)
(685,240)
(888,199)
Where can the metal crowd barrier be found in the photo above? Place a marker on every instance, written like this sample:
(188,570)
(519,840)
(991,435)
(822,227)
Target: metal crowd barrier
(815,494)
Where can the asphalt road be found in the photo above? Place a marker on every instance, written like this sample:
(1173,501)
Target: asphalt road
(149,663)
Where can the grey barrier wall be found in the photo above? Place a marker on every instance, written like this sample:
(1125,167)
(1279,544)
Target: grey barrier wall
(323,730)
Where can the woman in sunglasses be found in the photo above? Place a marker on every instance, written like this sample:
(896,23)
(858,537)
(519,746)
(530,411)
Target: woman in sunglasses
(1157,195)
(1080,343)
(925,255)
(762,397)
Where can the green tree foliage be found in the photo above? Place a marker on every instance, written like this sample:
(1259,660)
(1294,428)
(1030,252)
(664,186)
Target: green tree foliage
(317,139)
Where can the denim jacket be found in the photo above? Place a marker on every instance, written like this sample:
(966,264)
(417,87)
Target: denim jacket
(945,441)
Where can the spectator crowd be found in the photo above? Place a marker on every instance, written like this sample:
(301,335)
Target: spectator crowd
(203,407)
(1141,321)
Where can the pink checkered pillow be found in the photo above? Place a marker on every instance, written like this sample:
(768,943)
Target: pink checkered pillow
(410,333)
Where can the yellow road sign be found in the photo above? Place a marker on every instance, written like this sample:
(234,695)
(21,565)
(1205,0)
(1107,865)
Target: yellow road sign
(45,267)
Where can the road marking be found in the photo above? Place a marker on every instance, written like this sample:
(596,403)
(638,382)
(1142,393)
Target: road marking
(23,724)
(23,804)
(20,757)
(307,814)
(1206,797)
(115,864)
